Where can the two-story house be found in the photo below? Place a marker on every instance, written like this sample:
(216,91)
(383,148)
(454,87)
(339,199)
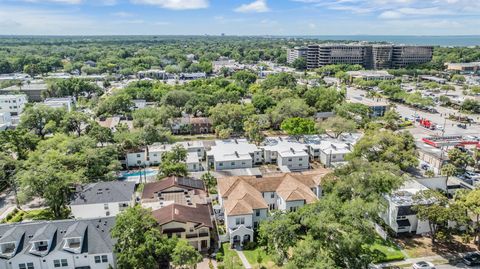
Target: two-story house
(247,200)
(233,154)
(102,199)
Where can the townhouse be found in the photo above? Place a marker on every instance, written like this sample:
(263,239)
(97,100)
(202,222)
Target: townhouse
(287,152)
(102,199)
(63,102)
(246,201)
(188,124)
(57,244)
(233,154)
(181,208)
(152,155)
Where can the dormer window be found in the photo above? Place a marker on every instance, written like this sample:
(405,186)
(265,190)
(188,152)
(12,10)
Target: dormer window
(73,244)
(39,247)
(8,249)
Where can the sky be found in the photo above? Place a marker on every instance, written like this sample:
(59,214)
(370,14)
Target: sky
(240,17)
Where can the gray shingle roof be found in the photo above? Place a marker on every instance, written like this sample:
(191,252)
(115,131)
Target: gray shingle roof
(104,192)
(96,234)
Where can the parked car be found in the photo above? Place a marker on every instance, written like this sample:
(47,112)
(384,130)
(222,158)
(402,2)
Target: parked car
(423,265)
(439,127)
(462,125)
(471,259)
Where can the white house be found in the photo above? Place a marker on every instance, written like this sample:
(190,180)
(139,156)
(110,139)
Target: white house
(139,103)
(13,103)
(63,102)
(399,214)
(233,154)
(102,199)
(57,244)
(330,151)
(5,120)
(288,153)
(152,155)
(245,201)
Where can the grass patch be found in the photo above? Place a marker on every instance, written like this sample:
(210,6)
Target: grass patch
(35,214)
(390,251)
(266,260)
(230,258)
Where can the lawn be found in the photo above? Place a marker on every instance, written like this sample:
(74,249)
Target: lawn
(230,258)
(391,251)
(35,214)
(266,260)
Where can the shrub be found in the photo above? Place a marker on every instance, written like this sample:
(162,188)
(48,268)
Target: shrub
(249,246)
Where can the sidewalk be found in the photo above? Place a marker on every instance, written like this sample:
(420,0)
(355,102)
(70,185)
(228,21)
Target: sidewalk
(244,260)
(436,259)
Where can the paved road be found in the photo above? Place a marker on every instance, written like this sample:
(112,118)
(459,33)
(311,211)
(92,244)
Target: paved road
(447,266)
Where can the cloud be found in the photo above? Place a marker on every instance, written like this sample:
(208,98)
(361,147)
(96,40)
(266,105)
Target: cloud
(175,4)
(257,6)
(122,14)
(70,2)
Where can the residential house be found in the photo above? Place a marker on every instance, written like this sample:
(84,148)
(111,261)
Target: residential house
(139,104)
(431,158)
(246,200)
(152,74)
(63,102)
(400,216)
(14,104)
(233,154)
(191,125)
(57,244)
(113,122)
(181,208)
(330,151)
(102,199)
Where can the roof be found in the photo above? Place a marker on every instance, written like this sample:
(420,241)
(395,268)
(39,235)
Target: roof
(150,190)
(180,213)
(235,149)
(96,235)
(244,194)
(104,192)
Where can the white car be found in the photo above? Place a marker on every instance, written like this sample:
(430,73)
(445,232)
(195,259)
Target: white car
(439,127)
(423,265)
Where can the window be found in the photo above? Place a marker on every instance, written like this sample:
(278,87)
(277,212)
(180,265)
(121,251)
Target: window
(300,159)
(104,258)
(98,259)
(272,195)
(56,263)
(105,206)
(233,163)
(239,221)
(138,155)
(299,164)
(290,159)
(22,266)
(271,206)
(220,164)
(64,262)
(257,213)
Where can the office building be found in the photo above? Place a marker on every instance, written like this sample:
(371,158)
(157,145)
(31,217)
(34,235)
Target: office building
(295,53)
(368,56)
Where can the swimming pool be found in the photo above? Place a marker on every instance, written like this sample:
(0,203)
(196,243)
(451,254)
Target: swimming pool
(139,173)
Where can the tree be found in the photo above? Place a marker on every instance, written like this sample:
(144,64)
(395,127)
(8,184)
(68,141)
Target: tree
(461,160)
(244,78)
(75,122)
(139,242)
(288,108)
(210,181)
(173,162)
(448,170)
(254,125)
(41,119)
(338,126)
(279,233)
(101,134)
(387,146)
(18,142)
(230,115)
(471,201)
(458,78)
(72,87)
(390,119)
(114,105)
(262,102)
(434,207)
(8,170)
(324,99)
(360,113)
(185,256)
(280,80)
(300,63)
(298,126)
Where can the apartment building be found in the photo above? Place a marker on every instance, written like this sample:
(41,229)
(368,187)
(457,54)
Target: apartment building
(13,104)
(233,154)
(152,155)
(5,120)
(287,152)
(246,201)
(368,56)
(57,244)
(33,89)
(102,199)
(181,208)
(370,75)
(464,68)
(329,151)
(295,53)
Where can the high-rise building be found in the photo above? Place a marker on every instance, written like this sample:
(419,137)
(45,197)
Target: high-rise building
(368,56)
(295,53)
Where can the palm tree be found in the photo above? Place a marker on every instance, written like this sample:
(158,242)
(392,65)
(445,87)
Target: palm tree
(448,170)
